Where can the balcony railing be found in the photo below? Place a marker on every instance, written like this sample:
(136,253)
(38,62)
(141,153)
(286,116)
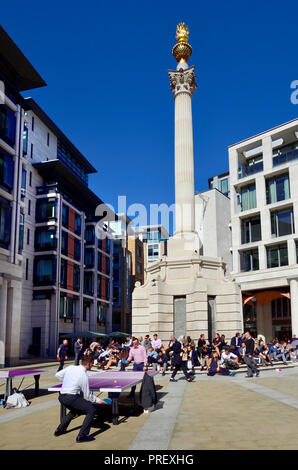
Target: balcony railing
(285,157)
(250,170)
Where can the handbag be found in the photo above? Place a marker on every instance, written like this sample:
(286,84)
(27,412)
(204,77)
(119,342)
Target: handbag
(184,356)
(16,400)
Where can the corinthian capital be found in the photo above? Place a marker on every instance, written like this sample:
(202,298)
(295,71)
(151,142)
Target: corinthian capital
(183,81)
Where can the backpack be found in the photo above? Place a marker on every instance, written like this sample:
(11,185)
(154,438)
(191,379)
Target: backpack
(16,400)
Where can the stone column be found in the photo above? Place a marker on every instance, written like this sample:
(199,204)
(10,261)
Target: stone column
(294,305)
(183,86)
(3,312)
(14,305)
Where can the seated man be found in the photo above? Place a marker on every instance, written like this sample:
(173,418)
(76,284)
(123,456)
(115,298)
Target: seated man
(75,383)
(205,355)
(152,357)
(162,361)
(242,351)
(229,359)
(104,357)
(236,342)
(201,343)
(276,352)
(193,357)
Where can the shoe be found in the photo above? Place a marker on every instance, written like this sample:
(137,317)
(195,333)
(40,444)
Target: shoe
(190,379)
(59,431)
(257,374)
(163,374)
(232,373)
(248,376)
(84,438)
(173,380)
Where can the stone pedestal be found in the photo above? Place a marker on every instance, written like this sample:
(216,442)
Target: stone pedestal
(195,279)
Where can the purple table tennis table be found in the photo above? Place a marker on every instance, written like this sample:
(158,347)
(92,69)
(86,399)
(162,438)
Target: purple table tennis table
(10,374)
(112,382)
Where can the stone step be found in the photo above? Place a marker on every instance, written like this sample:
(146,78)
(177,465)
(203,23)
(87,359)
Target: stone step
(242,368)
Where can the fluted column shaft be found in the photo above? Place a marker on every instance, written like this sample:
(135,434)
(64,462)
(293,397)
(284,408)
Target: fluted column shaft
(183,86)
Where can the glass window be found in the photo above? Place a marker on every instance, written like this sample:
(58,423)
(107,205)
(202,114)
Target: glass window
(89,257)
(277,189)
(78,224)
(76,278)
(6,170)
(248,197)
(282,223)
(64,242)
(44,271)
(46,209)
(139,251)
(107,289)
(88,283)
(224,186)
(64,215)
(101,313)
(249,260)
(86,310)
(90,234)
(21,231)
(153,251)
(99,286)
(251,230)
(63,278)
(7,124)
(25,140)
(251,166)
(77,250)
(45,238)
(277,256)
(285,154)
(5,223)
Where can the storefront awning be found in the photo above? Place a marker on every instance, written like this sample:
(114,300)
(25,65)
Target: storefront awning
(264,298)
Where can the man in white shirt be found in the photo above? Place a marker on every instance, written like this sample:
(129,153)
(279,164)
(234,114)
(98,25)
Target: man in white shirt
(229,359)
(156,342)
(75,385)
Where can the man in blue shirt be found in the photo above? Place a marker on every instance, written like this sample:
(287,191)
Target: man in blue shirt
(61,354)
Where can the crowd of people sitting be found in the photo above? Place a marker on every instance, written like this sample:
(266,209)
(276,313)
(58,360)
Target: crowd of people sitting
(216,356)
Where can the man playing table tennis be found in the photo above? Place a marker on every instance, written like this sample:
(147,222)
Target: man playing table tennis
(138,354)
(75,383)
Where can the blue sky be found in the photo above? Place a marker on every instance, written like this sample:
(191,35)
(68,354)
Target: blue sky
(105,64)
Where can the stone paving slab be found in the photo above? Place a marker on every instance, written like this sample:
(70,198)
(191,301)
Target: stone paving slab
(225,416)
(210,413)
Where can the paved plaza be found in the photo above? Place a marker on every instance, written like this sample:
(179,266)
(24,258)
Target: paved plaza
(229,413)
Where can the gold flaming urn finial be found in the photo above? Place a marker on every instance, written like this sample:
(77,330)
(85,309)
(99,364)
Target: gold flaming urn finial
(182,50)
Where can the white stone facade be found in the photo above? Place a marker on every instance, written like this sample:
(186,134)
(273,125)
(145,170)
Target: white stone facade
(276,152)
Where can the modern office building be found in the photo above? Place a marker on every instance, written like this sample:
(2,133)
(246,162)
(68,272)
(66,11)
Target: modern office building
(264,221)
(16,75)
(213,225)
(128,268)
(154,238)
(55,256)
(220,182)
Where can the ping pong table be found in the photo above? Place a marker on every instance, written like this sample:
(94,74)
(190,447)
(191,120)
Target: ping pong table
(10,374)
(112,382)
